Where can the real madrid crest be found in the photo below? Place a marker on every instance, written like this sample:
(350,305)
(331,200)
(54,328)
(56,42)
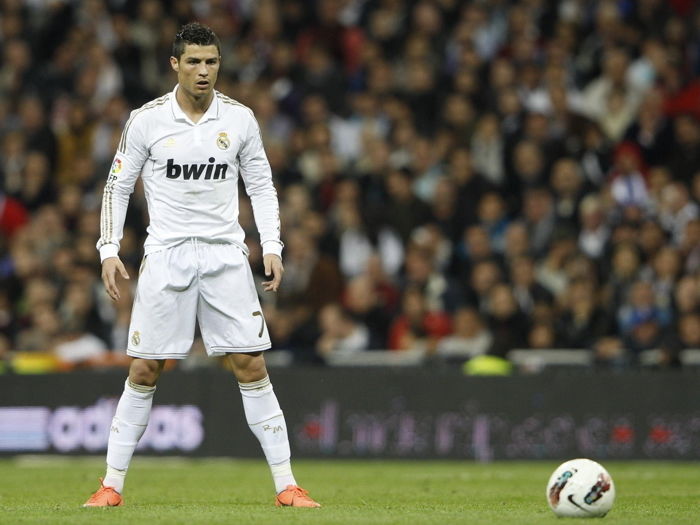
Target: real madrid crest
(223,141)
(136,338)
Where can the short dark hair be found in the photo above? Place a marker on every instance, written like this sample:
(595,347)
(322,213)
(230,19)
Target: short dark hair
(194,33)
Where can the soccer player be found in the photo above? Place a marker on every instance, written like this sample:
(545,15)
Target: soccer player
(189,146)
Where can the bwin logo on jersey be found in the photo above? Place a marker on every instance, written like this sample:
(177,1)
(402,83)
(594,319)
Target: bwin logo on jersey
(196,171)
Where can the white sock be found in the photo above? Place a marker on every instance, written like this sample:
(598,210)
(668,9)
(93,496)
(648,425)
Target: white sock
(266,420)
(115,478)
(129,423)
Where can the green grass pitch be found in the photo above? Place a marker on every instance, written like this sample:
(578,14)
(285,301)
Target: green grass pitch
(217,491)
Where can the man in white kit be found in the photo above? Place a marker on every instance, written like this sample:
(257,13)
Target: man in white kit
(189,146)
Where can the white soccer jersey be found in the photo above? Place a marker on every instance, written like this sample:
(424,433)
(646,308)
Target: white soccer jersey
(190,176)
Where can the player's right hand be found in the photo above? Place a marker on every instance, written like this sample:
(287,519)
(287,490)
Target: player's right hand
(110,267)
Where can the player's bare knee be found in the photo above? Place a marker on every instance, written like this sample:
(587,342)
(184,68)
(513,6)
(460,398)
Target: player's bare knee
(145,371)
(248,367)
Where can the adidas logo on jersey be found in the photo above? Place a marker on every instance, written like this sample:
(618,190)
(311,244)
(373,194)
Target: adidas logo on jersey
(196,171)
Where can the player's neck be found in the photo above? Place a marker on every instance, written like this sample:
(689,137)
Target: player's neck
(193,107)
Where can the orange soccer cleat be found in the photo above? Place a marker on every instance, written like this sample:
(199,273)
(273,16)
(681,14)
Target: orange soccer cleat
(294,496)
(104,497)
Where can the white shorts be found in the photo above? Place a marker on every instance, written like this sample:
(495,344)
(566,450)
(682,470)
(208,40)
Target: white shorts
(196,280)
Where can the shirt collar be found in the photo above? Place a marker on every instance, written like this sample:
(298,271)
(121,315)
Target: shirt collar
(211,113)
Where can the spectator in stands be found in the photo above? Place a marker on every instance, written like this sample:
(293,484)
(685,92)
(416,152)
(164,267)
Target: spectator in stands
(619,96)
(474,248)
(542,336)
(652,128)
(14,150)
(471,185)
(33,122)
(595,155)
(551,270)
(445,209)
(581,321)
(5,348)
(640,317)
(529,165)
(492,216)
(416,327)
(527,291)
(357,242)
(74,140)
(37,186)
(624,270)
(645,332)
(76,346)
(540,218)
(340,333)
(568,190)
(470,337)
(665,269)
(312,280)
(507,324)
(595,232)
(684,155)
(42,327)
(628,182)
(676,210)
(684,336)
(651,239)
(686,295)
(487,147)
(13,215)
(484,275)
(690,246)
(363,302)
(611,352)
(404,210)
(517,240)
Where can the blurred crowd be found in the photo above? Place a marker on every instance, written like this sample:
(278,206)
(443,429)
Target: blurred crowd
(455,177)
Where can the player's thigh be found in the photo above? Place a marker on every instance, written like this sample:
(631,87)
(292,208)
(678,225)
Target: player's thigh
(230,316)
(165,307)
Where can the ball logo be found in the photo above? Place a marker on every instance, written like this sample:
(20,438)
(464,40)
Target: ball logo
(117,166)
(223,141)
(136,338)
(601,486)
(558,486)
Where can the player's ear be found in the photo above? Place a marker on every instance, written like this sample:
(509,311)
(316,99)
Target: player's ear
(175,64)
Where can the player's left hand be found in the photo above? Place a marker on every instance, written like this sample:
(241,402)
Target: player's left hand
(274,268)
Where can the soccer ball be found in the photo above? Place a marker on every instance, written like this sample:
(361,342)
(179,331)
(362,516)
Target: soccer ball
(580,488)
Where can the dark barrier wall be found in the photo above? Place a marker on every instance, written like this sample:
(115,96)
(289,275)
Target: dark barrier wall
(373,413)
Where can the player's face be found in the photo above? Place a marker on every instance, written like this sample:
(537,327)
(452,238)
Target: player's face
(197,69)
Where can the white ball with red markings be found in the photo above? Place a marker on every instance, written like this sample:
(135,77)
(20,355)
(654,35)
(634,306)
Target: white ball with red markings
(580,488)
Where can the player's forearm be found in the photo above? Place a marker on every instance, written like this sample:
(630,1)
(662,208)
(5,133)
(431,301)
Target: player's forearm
(267,220)
(263,198)
(114,205)
(257,177)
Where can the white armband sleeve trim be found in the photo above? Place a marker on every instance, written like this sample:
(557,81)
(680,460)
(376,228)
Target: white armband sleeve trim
(272,247)
(108,250)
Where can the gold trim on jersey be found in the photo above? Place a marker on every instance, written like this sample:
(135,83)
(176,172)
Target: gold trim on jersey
(149,105)
(227,100)
(107,222)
